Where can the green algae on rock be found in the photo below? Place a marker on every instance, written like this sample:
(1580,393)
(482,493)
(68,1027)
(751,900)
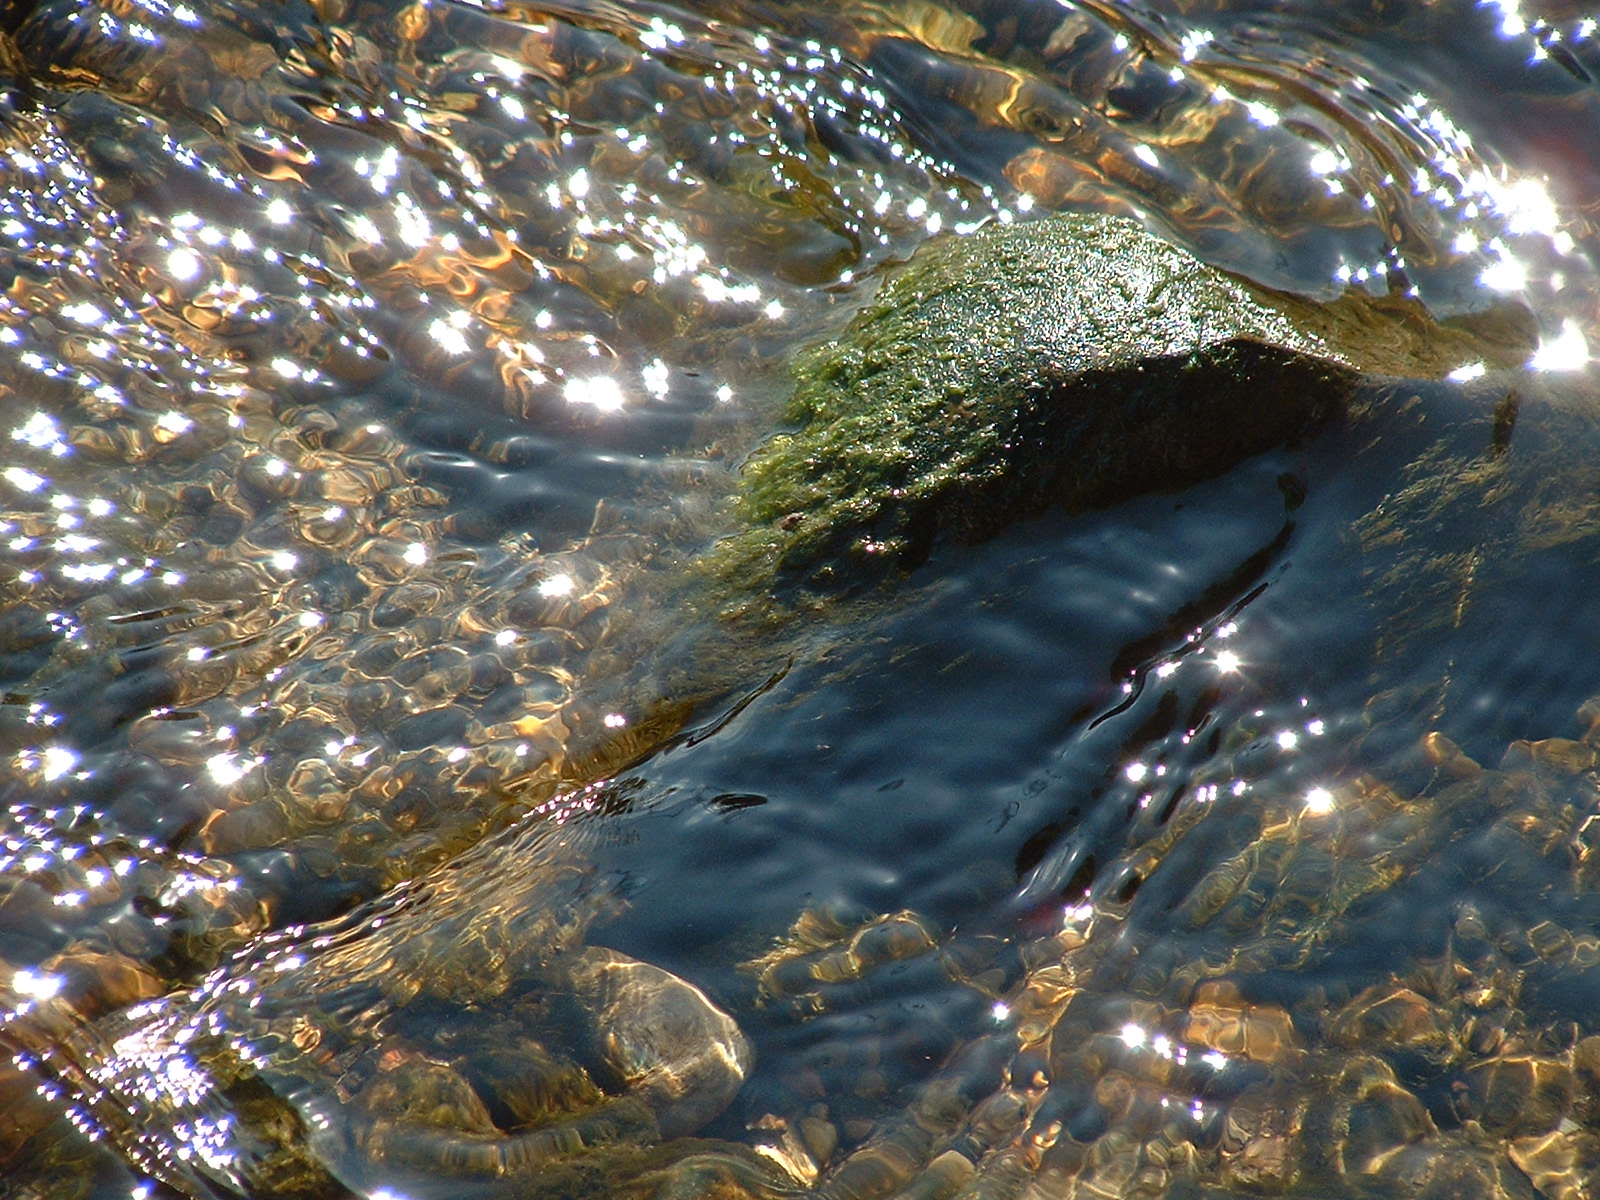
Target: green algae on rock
(1077,361)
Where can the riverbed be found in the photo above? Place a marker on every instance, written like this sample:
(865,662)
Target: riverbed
(375,374)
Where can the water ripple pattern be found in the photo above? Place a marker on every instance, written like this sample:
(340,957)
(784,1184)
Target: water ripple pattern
(362,361)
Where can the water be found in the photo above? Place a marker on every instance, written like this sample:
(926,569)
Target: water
(372,371)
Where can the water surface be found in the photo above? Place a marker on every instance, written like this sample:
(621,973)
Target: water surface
(371,370)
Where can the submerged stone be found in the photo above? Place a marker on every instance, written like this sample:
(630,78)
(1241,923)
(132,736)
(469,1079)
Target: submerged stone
(1077,361)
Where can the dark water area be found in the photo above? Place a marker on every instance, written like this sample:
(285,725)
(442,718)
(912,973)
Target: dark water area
(388,811)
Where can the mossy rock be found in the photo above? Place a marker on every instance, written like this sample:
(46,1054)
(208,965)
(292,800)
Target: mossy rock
(1076,361)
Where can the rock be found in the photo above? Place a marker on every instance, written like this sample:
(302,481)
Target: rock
(1077,361)
(662,1036)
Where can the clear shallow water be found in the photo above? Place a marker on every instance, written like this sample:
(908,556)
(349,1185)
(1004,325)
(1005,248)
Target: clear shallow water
(367,366)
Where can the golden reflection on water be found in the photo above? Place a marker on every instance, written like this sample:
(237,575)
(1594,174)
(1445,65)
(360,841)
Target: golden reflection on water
(494,244)
(249,268)
(258,316)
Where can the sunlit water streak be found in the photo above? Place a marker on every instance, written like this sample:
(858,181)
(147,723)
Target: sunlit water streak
(358,361)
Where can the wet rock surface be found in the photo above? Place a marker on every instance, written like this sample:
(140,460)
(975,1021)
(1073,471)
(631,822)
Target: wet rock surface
(1076,361)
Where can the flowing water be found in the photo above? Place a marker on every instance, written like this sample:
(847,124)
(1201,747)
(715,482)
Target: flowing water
(373,373)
